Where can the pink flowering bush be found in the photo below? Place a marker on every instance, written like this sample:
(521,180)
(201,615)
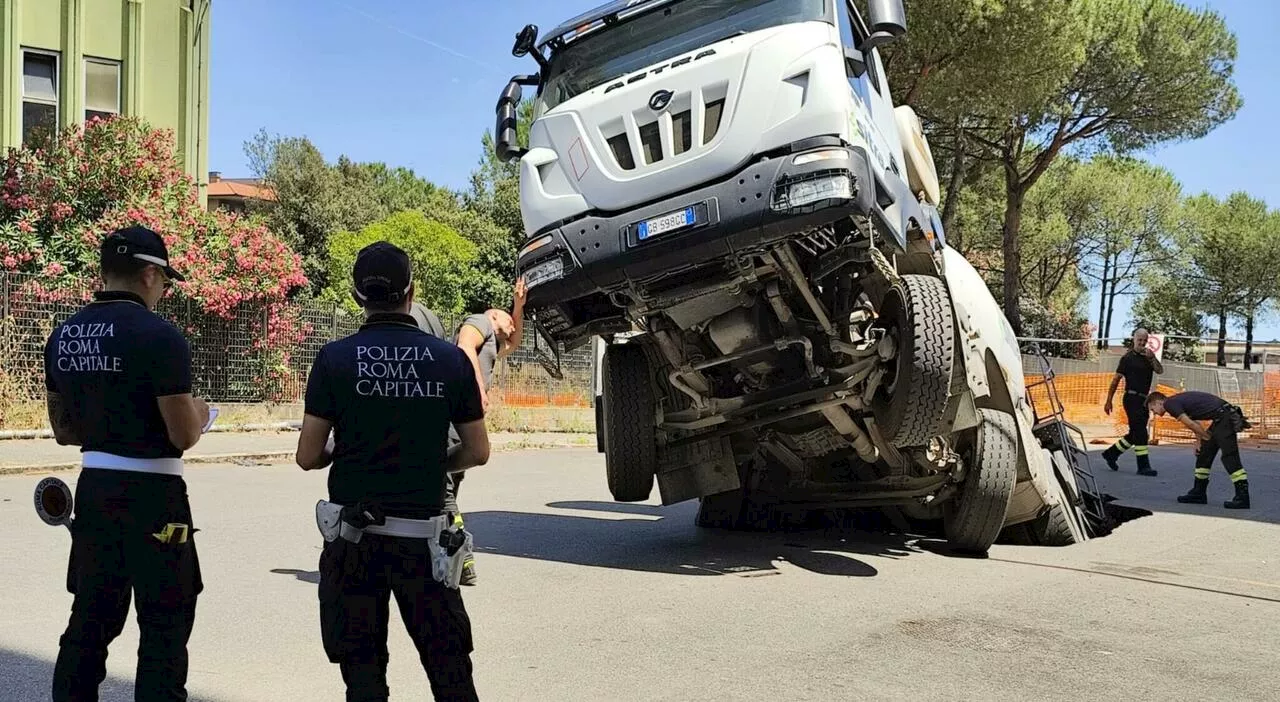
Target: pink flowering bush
(59,198)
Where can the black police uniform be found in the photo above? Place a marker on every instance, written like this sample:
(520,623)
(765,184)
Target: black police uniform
(1226,420)
(391,392)
(1138,373)
(109,362)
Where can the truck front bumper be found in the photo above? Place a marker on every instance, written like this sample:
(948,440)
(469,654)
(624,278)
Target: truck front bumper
(817,181)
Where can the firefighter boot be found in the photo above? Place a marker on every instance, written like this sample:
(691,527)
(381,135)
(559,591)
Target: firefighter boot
(1144,462)
(1197,495)
(1110,455)
(1241,500)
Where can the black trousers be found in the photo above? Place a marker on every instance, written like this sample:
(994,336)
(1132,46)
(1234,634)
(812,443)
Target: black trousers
(356,584)
(1135,409)
(1222,437)
(452,481)
(115,557)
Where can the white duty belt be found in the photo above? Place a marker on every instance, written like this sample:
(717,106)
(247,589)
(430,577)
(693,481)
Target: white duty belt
(102,460)
(329,519)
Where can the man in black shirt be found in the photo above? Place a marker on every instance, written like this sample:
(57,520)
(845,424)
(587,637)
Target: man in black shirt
(119,386)
(1136,369)
(389,393)
(1226,420)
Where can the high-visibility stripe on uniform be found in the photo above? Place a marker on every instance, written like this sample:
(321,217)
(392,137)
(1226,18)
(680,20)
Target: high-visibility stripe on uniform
(1141,450)
(457,520)
(1124,444)
(1239,475)
(1202,473)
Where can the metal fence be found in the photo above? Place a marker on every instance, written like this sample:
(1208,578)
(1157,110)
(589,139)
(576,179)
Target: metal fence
(256,354)
(263,355)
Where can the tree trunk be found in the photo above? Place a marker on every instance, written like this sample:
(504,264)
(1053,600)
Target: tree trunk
(1013,251)
(1248,340)
(1102,301)
(1111,297)
(1111,309)
(951,205)
(1222,337)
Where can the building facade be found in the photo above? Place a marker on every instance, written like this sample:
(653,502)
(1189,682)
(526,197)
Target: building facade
(65,61)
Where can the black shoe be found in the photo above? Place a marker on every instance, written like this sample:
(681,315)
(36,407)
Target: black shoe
(1148,472)
(1111,462)
(1241,500)
(1197,495)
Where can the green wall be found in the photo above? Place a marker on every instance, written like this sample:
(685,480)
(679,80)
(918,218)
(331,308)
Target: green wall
(163,47)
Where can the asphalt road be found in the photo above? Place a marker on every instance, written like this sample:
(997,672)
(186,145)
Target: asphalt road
(584,599)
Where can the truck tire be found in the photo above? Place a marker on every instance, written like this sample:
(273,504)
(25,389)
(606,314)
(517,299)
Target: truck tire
(919,312)
(974,520)
(630,437)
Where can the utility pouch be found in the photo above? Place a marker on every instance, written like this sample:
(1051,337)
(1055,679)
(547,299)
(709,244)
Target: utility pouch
(448,554)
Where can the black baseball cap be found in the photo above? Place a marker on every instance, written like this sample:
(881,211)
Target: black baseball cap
(140,243)
(382,273)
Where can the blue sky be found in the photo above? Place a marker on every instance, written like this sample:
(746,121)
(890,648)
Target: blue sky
(413,83)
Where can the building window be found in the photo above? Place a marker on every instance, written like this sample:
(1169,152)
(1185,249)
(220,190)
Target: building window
(39,93)
(101,88)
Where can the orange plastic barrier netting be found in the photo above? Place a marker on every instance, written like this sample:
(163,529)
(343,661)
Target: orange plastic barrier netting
(1083,396)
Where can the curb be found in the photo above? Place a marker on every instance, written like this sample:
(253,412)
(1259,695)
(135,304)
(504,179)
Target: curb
(274,456)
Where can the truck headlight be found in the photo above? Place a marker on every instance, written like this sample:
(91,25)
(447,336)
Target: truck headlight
(838,186)
(549,269)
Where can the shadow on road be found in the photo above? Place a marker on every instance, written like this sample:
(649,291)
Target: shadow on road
(306,576)
(28,678)
(664,540)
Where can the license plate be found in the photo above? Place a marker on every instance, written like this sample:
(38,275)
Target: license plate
(541,273)
(666,223)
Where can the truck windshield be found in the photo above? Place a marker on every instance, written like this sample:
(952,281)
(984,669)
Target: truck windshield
(655,36)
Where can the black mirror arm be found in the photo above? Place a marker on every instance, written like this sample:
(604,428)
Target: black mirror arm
(855,63)
(879,39)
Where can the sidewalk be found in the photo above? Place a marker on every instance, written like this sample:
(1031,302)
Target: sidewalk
(24,455)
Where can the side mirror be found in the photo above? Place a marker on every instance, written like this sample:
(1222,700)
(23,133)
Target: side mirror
(526,41)
(888,19)
(506,144)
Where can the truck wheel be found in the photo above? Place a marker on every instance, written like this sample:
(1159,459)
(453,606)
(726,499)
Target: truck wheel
(1057,527)
(975,518)
(630,438)
(910,407)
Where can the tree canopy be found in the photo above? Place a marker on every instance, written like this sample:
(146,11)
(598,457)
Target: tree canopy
(1021,82)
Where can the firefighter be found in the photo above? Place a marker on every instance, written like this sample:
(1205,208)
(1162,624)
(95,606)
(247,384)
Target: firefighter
(119,387)
(389,393)
(1136,368)
(1226,420)
(484,338)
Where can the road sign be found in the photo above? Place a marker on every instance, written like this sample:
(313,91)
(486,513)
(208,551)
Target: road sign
(1155,342)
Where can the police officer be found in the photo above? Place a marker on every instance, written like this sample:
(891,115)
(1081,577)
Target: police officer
(1136,369)
(484,338)
(119,384)
(1226,420)
(389,393)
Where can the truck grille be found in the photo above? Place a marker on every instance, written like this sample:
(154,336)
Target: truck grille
(692,121)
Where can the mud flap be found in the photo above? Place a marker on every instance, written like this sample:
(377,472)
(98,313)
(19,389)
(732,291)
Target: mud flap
(694,470)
